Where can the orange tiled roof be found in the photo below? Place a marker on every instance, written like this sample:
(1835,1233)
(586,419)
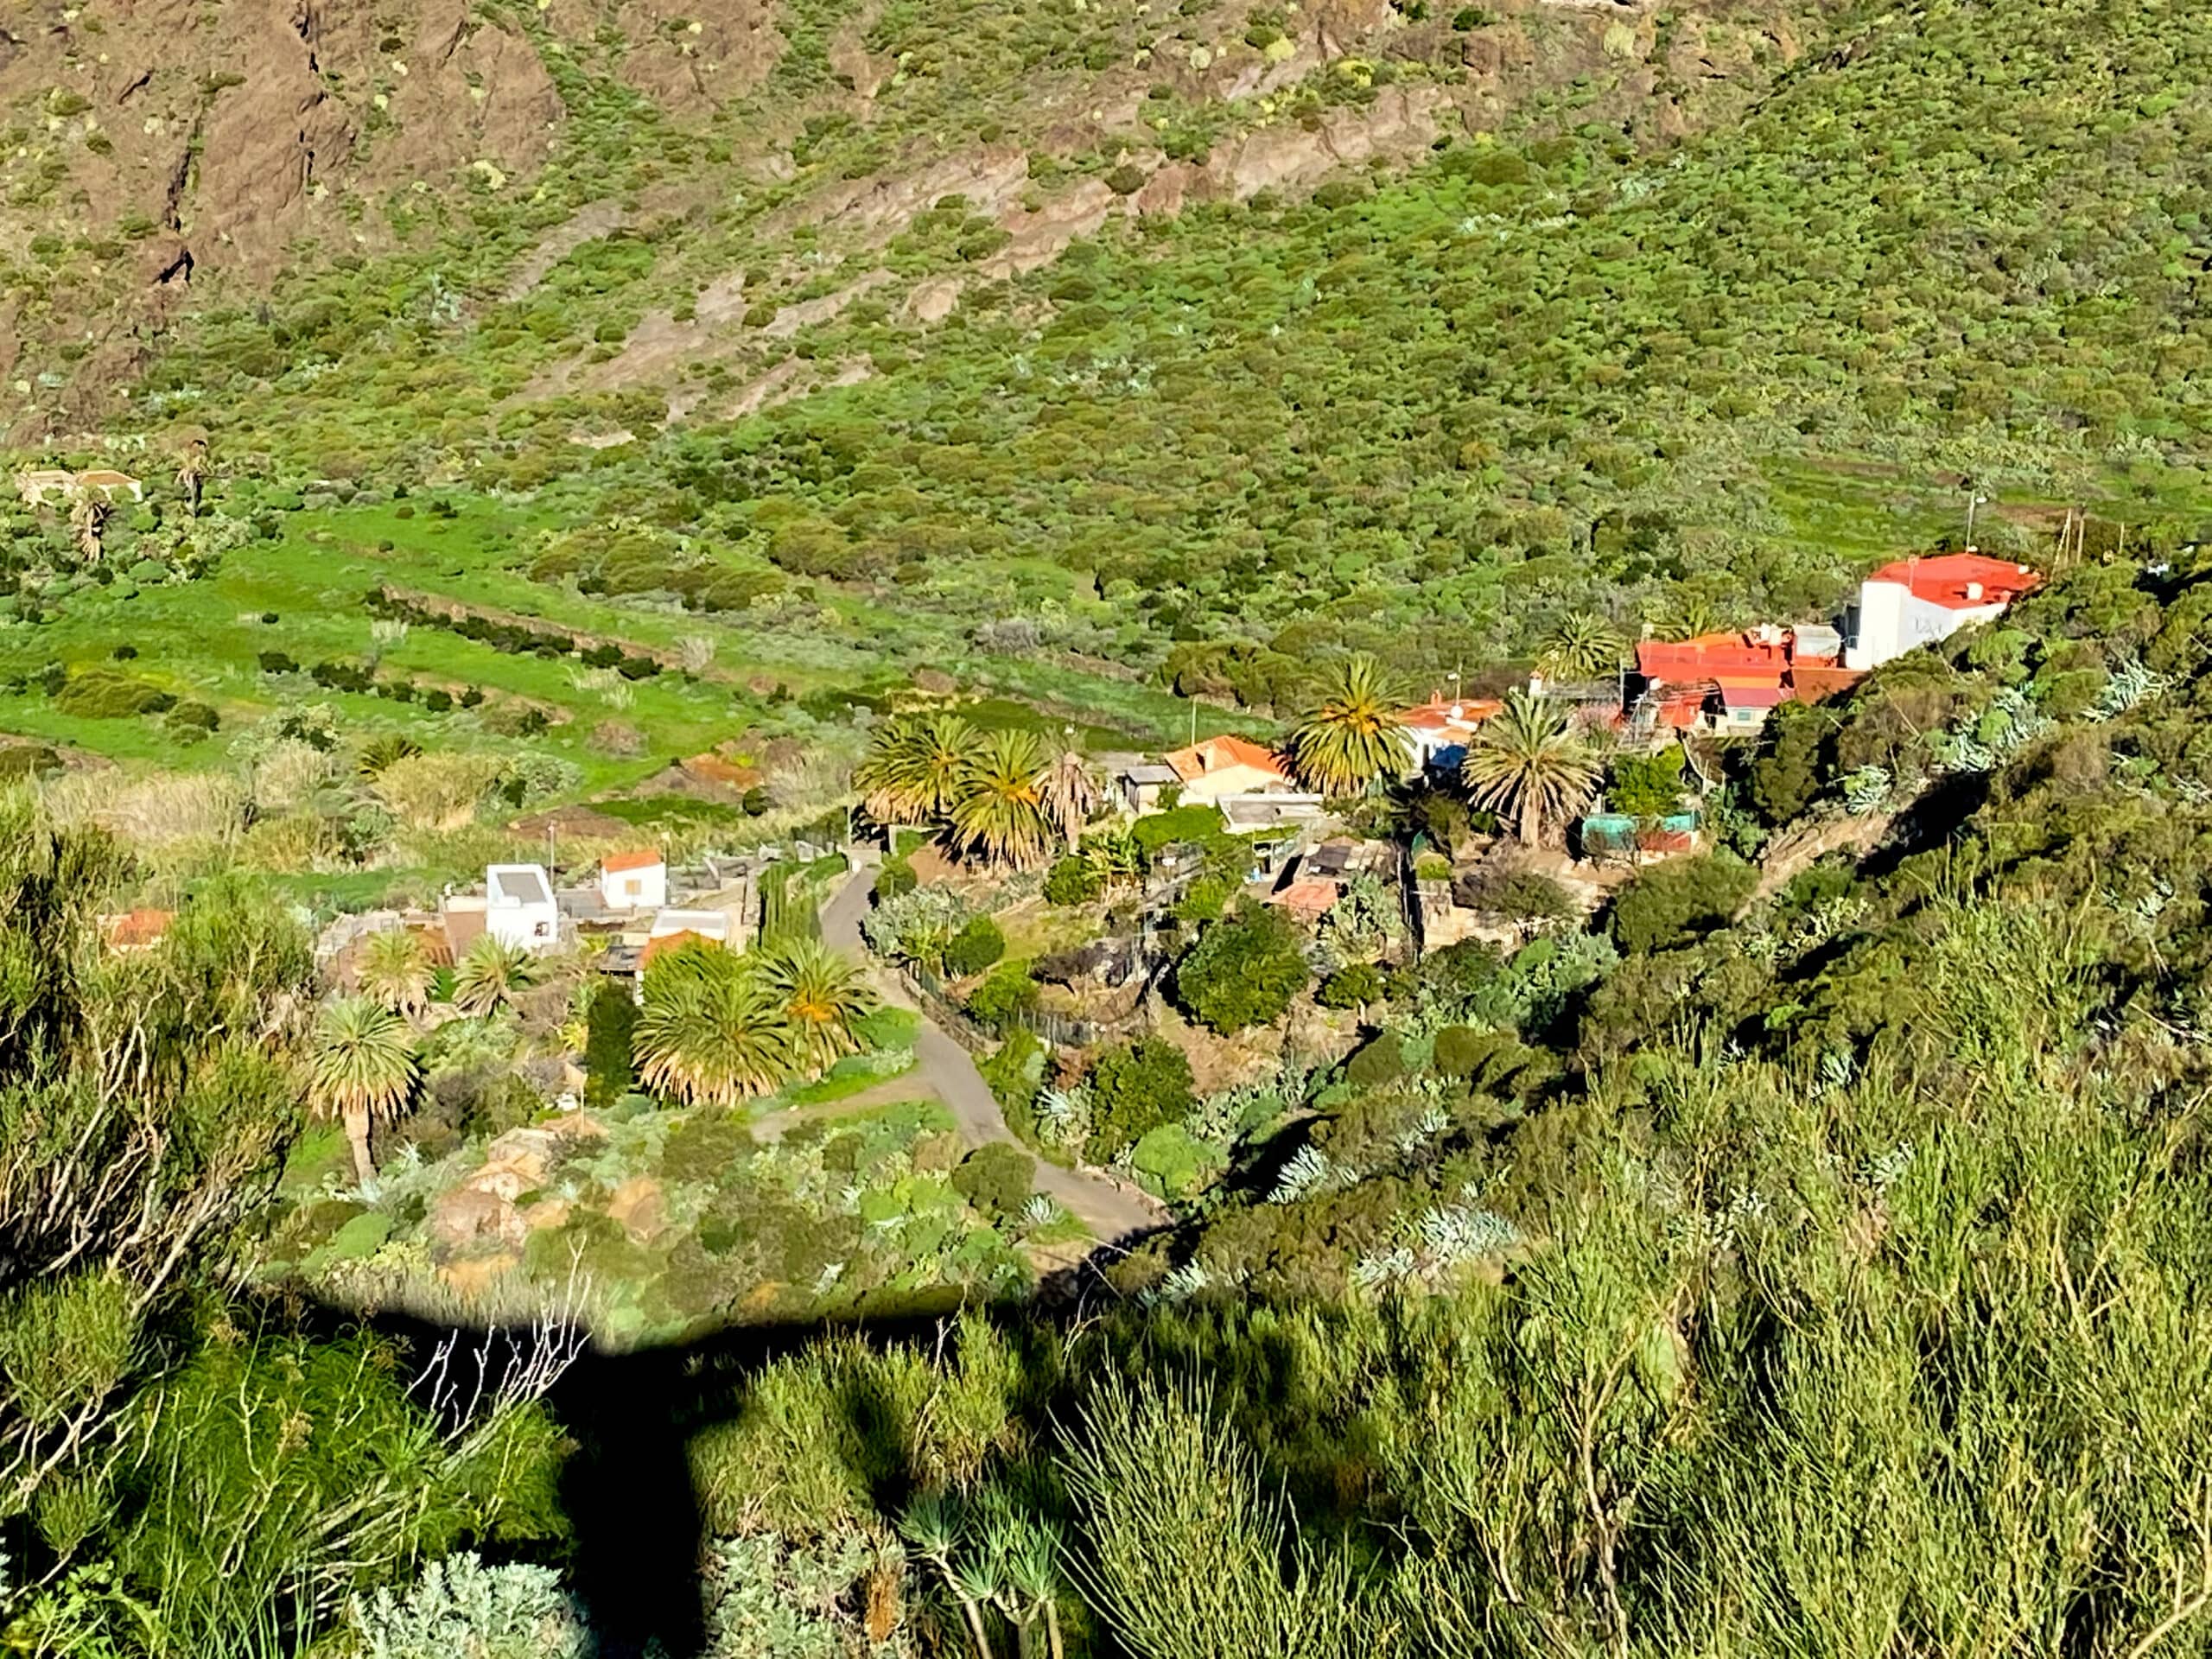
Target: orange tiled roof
(614,863)
(1944,580)
(1309,897)
(1218,754)
(1446,714)
(660,947)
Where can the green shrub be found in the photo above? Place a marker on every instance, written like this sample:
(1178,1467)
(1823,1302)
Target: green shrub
(1673,902)
(1072,881)
(1244,971)
(105,694)
(1378,1063)
(1173,1163)
(610,1071)
(1350,987)
(1200,824)
(1134,1090)
(1015,1069)
(1008,992)
(896,877)
(973,948)
(996,1179)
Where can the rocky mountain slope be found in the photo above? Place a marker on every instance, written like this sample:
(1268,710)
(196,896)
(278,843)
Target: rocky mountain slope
(162,157)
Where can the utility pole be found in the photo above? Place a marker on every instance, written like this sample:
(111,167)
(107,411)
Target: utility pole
(1974,498)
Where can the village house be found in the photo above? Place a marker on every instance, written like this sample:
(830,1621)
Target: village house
(1146,785)
(519,908)
(1724,684)
(715,926)
(1217,769)
(1438,731)
(109,484)
(1917,601)
(633,881)
(33,488)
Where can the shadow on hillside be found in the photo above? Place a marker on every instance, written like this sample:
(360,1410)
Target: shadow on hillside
(637,1523)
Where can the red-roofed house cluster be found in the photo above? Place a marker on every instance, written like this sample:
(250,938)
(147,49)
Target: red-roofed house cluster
(1721,684)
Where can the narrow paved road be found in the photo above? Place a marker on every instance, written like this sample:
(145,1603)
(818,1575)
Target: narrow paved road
(1111,1209)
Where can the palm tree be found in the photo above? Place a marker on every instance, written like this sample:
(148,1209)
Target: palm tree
(713,1032)
(1071,793)
(913,768)
(1527,762)
(88,517)
(1352,736)
(1686,617)
(360,1067)
(491,975)
(382,751)
(394,972)
(1000,814)
(823,997)
(1582,646)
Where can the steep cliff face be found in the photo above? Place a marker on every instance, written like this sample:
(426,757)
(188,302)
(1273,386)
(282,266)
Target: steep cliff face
(157,155)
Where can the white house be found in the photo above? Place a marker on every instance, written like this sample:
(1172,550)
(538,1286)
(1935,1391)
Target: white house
(1219,769)
(519,907)
(633,881)
(1917,601)
(713,926)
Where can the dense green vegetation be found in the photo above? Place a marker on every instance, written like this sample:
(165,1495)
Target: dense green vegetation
(1798,1254)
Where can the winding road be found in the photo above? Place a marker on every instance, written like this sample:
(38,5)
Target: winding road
(1113,1209)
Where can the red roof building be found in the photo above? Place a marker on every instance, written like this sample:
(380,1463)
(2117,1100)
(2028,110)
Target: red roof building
(1960,582)
(1911,602)
(1732,681)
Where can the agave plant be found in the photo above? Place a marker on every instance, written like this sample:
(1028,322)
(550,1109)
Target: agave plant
(1306,1172)
(1352,737)
(1064,1115)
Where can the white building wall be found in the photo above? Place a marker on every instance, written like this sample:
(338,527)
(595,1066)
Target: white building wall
(642,889)
(529,924)
(1891,622)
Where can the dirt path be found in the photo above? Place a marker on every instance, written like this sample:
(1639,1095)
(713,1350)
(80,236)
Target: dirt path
(1112,1210)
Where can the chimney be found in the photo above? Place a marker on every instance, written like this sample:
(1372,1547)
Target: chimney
(1973,590)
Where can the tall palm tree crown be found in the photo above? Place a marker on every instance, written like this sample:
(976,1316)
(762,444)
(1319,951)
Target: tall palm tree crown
(1352,736)
(823,998)
(712,1031)
(360,1067)
(1528,763)
(491,975)
(393,971)
(1583,647)
(1071,792)
(1001,813)
(914,768)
